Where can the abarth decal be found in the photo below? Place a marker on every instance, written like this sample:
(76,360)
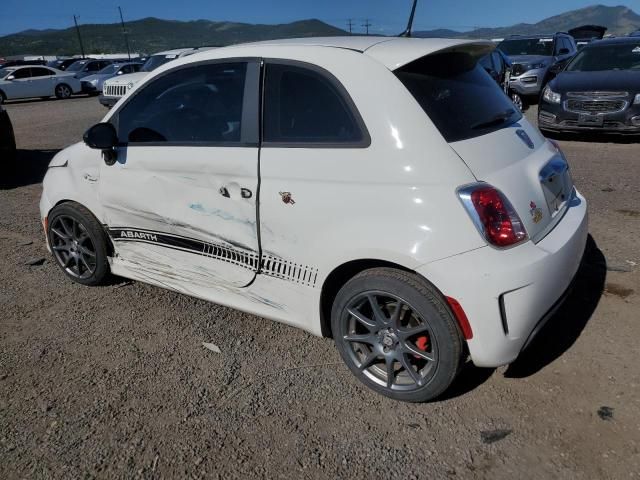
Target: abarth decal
(271,265)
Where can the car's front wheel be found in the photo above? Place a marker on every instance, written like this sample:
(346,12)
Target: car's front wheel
(518,101)
(78,244)
(63,91)
(397,335)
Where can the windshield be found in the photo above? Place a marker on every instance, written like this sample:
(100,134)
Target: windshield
(76,66)
(109,69)
(623,56)
(458,95)
(529,46)
(155,61)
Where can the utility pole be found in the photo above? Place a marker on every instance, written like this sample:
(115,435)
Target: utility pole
(124,32)
(350,25)
(367,24)
(75,20)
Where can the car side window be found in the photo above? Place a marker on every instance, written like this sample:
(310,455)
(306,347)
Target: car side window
(41,72)
(201,104)
(94,67)
(305,106)
(22,73)
(136,67)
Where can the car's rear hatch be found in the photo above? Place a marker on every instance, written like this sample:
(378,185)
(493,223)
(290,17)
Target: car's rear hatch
(490,135)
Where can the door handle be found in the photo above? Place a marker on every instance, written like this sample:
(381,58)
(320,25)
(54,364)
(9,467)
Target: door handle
(244,192)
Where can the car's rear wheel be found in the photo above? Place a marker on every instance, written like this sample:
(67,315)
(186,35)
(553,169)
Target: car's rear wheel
(3,97)
(397,335)
(63,91)
(78,243)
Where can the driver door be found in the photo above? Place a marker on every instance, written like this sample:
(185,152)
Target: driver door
(180,200)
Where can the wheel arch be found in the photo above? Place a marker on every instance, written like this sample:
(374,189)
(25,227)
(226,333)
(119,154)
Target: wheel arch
(110,247)
(336,280)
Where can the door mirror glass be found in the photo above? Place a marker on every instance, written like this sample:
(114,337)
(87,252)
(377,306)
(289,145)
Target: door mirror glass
(101,136)
(563,51)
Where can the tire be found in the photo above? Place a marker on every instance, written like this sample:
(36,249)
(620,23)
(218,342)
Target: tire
(414,329)
(3,97)
(78,243)
(63,91)
(518,101)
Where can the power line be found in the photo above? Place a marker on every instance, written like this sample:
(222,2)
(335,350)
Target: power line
(367,24)
(75,20)
(124,32)
(350,25)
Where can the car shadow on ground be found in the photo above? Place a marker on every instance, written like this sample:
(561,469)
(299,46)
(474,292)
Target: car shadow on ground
(558,335)
(28,168)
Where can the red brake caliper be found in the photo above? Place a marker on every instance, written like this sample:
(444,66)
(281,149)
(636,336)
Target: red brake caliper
(422,343)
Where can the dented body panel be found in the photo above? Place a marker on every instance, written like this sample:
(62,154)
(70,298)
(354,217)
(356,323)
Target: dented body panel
(174,192)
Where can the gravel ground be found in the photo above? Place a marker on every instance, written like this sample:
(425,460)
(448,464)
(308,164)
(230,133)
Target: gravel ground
(114,381)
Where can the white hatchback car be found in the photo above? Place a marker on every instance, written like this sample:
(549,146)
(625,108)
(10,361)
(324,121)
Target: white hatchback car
(382,191)
(36,81)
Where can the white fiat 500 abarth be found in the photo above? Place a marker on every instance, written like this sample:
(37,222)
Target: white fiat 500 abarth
(381,191)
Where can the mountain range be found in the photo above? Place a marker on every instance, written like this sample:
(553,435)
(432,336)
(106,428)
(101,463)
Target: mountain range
(618,20)
(151,35)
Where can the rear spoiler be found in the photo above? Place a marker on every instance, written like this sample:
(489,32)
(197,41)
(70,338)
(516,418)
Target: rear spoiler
(399,52)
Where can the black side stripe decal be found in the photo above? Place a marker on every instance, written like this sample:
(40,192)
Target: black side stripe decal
(270,265)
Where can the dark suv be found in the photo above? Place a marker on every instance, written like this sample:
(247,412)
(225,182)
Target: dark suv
(531,58)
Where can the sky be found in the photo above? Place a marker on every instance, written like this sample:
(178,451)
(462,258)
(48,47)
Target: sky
(385,16)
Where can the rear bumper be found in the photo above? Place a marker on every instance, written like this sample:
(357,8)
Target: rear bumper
(108,101)
(508,295)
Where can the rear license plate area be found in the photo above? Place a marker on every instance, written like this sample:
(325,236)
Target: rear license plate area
(556,184)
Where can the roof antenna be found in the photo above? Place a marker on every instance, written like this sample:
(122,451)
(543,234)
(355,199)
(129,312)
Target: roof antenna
(407,32)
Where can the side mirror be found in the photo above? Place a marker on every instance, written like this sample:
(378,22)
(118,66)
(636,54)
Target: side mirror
(563,51)
(119,73)
(11,77)
(103,136)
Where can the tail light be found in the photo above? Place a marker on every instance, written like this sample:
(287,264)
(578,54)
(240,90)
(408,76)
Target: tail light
(493,215)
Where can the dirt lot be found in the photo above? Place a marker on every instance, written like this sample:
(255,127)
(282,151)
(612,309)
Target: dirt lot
(114,381)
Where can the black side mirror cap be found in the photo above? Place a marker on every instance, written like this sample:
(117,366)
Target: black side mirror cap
(102,136)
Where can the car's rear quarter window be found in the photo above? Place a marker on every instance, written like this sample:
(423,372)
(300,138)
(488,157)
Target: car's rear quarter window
(458,95)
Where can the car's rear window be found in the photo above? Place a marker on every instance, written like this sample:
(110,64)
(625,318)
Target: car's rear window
(458,95)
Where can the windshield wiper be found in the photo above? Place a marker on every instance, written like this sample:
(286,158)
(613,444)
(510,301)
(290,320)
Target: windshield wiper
(496,120)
